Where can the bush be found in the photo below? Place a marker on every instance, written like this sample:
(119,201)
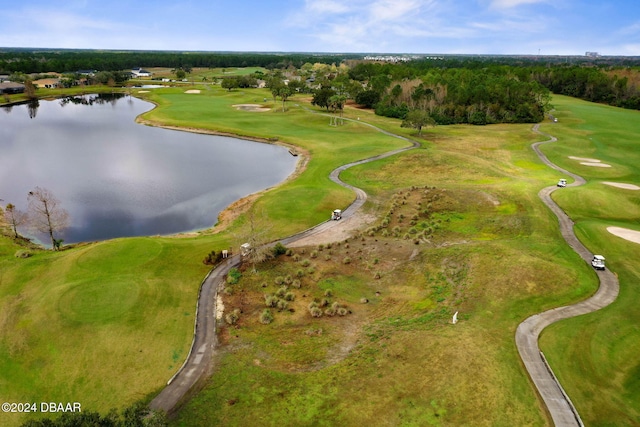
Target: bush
(279,249)
(232,318)
(234,276)
(315,312)
(270,300)
(282,305)
(346,260)
(296,284)
(289,296)
(280,293)
(305,263)
(279,280)
(22,254)
(266,317)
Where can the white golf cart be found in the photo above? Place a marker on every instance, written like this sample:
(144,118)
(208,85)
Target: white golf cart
(598,262)
(562,183)
(336,214)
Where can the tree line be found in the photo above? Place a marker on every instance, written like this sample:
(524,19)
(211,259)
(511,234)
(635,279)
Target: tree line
(62,60)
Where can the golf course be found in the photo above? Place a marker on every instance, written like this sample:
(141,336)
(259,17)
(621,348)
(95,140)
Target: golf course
(454,225)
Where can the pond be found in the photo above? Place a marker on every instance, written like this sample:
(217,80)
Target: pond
(119,178)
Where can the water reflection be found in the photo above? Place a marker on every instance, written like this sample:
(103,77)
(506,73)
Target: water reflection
(118,178)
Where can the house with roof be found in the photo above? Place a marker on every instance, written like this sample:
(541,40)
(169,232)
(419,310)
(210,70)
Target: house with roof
(140,72)
(47,83)
(11,87)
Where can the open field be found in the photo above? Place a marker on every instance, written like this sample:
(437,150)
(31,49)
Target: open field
(486,247)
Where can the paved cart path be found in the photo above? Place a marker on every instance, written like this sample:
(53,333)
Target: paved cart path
(557,401)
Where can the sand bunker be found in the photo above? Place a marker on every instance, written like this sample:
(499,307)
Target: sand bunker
(251,107)
(590,162)
(622,185)
(193,91)
(598,165)
(143,91)
(584,159)
(625,233)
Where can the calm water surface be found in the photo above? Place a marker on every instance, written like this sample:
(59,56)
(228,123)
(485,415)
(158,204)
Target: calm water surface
(118,178)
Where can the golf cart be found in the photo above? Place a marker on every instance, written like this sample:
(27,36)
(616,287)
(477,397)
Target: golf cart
(336,214)
(598,262)
(562,183)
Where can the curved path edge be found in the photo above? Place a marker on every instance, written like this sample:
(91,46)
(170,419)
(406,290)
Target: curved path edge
(198,361)
(528,332)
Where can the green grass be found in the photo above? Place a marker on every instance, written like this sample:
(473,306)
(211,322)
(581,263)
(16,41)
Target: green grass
(121,312)
(602,346)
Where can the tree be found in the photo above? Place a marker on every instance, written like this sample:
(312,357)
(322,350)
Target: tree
(180,74)
(46,214)
(321,97)
(284,92)
(15,218)
(417,119)
(229,83)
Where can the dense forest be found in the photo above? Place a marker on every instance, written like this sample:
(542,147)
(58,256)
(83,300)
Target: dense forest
(445,89)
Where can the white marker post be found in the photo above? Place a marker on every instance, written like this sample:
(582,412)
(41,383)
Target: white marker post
(455,318)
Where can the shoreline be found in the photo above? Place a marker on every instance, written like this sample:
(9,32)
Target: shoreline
(243,204)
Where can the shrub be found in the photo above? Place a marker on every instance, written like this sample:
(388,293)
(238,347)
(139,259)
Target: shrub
(313,254)
(232,318)
(305,263)
(266,317)
(328,293)
(296,258)
(289,252)
(234,276)
(279,249)
(315,312)
(282,305)
(346,260)
(21,253)
(270,300)
(330,311)
(327,257)
(289,296)
(288,280)
(296,284)
(279,280)
(342,311)
(280,293)
(300,272)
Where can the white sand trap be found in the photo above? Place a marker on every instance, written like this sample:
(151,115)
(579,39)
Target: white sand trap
(598,165)
(622,185)
(625,233)
(143,91)
(584,159)
(192,91)
(251,107)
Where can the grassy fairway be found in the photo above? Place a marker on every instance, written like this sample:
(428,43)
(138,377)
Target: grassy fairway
(108,323)
(602,347)
(496,257)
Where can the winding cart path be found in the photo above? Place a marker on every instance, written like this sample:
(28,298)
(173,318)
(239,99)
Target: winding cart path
(198,361)
(557,401)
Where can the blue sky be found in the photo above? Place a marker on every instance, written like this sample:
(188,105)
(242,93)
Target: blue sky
(548,27)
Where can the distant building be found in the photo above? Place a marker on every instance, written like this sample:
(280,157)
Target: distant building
(139,72)
(47,83)
(592,54)
(10,87)
(89,73)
